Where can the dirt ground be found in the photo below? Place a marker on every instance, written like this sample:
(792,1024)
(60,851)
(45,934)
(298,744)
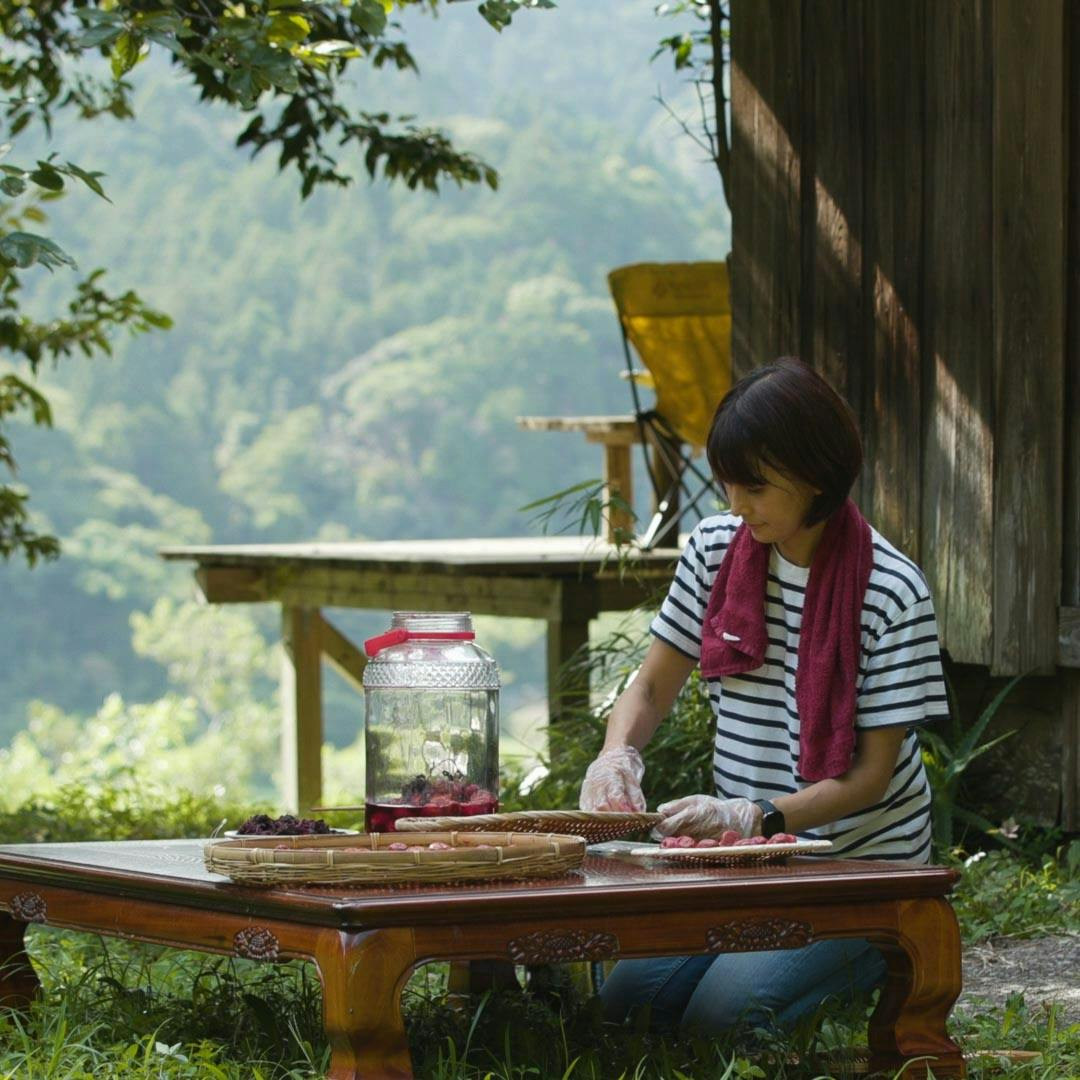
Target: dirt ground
(1045,969)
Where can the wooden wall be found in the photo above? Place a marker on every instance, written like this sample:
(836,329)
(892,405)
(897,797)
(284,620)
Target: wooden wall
(899,196)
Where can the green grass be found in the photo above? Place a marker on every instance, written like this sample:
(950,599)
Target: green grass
(1002,895)
(113,1008)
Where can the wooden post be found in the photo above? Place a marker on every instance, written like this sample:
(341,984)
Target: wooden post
(1070,757)
(1070,592)
(346,659)
(301,708)
(618,480)
(567,632)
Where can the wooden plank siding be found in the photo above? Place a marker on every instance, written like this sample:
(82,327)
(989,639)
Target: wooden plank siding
(765,180)
(834,123)
(898,209)
(956,512)
(895,64)
(1029,327)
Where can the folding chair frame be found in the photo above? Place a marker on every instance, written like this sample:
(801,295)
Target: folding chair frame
(666,446)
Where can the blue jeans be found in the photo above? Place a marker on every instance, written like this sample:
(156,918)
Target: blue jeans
(705,995)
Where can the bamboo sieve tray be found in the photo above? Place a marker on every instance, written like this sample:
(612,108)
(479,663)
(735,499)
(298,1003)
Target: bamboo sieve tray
(594,826)
(364,860)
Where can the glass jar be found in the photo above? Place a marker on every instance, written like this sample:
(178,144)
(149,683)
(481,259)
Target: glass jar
(431,698)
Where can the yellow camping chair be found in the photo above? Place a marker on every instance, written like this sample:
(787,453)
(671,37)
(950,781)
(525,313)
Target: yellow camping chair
(677,317)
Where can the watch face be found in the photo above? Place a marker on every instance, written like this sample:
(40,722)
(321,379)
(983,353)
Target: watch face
(772,820)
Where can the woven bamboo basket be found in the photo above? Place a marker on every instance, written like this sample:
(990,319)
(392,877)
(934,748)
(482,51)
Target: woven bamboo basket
(364,860)
(729,856)
(594,826)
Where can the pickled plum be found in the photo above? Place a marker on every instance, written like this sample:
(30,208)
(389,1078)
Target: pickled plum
(783,838)
(688,842)
(397,846)
(424,798)
(750,841)
(729,838)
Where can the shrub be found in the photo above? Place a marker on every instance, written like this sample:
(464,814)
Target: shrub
(678,759)
(119,810)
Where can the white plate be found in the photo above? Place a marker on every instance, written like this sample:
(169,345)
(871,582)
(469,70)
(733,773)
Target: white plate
(742,851)
(232,834)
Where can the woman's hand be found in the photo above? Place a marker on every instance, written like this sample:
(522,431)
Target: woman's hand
(613,781)
(702,815)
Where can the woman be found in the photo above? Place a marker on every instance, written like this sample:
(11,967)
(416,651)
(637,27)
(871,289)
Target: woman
(818,643)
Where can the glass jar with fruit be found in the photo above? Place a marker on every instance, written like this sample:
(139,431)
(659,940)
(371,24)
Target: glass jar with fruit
(431,697)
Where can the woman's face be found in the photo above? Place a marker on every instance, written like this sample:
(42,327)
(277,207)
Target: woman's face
(775,512)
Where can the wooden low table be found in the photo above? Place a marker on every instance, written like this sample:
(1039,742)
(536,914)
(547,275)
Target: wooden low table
(365,942)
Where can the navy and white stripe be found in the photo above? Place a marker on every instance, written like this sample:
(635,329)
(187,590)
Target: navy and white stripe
(900,682)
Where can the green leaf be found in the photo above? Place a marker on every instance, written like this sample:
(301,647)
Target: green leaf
(24,249)
(497,13)
(97,16)
(975,733)
(166,41)
(12,185)
(158,319)
(332,48)
(46,176)
(125,53)
(15,392)
(288,29)
(370,16)
(558,496)
(102,34)
(90,179)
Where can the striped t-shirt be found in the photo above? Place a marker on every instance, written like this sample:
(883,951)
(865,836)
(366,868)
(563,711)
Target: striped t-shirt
(757,727)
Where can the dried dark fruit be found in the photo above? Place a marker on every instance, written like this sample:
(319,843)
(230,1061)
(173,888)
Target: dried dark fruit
(286,825)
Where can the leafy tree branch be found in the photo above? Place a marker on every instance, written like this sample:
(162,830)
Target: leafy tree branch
(281,61)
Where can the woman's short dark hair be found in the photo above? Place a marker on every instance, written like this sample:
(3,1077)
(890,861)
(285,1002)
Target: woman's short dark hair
(786,416)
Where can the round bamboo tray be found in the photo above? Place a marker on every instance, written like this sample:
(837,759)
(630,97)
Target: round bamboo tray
(594,826)
(730,856)
(364,860)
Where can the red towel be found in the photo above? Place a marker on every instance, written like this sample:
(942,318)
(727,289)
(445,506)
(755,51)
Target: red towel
(829,641)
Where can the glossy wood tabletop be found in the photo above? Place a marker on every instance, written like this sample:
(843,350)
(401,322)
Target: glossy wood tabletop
(172,870)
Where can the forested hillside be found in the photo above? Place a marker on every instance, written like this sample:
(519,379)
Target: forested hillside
(342,367)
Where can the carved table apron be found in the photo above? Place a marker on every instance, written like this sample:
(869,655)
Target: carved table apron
(366,941)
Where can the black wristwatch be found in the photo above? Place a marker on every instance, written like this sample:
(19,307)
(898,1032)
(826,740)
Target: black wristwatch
(772,820)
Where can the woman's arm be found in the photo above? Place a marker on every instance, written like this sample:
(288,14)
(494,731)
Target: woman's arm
(865,783)
(648,699)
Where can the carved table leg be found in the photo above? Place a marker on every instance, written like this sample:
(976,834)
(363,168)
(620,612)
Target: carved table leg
(923,982)
(18,981)
(363,976)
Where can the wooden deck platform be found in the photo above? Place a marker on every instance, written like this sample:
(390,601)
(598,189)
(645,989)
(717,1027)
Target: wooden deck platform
(565,580)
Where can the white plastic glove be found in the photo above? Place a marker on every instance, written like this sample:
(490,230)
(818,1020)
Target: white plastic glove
(613,781)
(702,815)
